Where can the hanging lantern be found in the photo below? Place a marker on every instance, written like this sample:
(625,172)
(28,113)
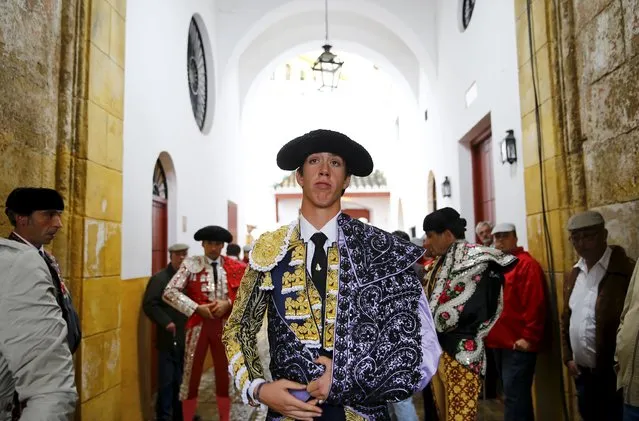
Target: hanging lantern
(509,148)
(327,64)
(446,190)
(329,68)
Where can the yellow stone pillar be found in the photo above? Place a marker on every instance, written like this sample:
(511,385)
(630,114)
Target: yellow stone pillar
(89,168)
(553,172)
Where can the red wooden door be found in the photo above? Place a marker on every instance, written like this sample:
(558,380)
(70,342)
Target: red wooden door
(231,220)
(484,193)
(159,242)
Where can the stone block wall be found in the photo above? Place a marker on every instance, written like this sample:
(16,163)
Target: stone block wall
(607,51)
(585,61)
(61,111)
(100,155)
(30,41)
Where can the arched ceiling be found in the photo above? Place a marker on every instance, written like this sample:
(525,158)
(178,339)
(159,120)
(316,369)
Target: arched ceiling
(358,26)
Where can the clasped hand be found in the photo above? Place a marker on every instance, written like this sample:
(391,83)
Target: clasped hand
(277,395)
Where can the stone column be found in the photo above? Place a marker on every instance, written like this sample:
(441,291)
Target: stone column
(97,182)
(587,115)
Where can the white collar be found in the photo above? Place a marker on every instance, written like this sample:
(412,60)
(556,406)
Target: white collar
(329,230)
(27,241)
(211,261)
(603,262)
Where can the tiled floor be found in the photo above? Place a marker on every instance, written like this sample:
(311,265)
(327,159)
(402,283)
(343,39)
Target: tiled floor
(491,410)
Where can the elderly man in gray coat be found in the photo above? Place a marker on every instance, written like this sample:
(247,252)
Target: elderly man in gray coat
(35,359)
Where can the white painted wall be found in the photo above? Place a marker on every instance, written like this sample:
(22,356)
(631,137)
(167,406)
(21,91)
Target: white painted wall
(157,119)
(432,66)
(486,54)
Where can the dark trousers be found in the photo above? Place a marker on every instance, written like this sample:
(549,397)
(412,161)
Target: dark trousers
(516,370)
(630,413)
(430,410)
(168,406)
(597,395)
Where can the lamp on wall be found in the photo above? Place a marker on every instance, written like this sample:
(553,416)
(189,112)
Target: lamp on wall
(327,64)
(446,191)
(509,148)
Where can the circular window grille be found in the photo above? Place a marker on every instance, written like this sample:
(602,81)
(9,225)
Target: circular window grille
(196,67)
(467,8)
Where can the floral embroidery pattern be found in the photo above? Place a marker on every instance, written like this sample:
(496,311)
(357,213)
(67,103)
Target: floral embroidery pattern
(456,282)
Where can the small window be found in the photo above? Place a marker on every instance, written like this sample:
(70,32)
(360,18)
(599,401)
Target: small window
(159,181)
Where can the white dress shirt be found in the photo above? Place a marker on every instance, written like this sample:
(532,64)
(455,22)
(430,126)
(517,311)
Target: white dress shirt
(582,305)
(306,232)
(218,261)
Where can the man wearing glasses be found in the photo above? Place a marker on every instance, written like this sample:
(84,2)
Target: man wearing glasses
(594,293)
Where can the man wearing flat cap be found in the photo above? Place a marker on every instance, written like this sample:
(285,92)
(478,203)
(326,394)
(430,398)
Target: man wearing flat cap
(594,293)
(517,336)
(169,337)
(204,289)
(465,291)
(348,324)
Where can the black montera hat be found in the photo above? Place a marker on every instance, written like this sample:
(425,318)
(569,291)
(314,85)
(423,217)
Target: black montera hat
(358,160)
(26,200)
(213,233)
(444,219)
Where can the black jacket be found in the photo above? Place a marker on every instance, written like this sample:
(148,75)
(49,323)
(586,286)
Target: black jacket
(161,313)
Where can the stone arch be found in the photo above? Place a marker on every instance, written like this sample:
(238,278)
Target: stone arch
(365,26)
(171,178)
(164,194)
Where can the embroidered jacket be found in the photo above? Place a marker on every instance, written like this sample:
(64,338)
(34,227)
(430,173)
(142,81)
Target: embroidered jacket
(194,284)
(466,299)
(376,320)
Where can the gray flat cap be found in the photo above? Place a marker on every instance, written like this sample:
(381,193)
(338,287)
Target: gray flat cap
(585,220)
(505,227)
(247,248)
(178,247)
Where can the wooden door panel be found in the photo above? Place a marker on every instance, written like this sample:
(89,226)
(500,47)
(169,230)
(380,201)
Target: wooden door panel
(159,260)
(484,192)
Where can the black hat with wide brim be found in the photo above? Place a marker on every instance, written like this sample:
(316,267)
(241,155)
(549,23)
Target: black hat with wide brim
(213,233)
(26,200)
(358,160)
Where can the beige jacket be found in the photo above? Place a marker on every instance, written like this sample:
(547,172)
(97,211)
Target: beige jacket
(627,353)
(35,359)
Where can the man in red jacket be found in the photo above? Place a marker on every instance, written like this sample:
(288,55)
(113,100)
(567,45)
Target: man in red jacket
(517,335)
(204,289)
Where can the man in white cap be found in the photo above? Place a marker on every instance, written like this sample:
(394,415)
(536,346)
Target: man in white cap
(594,293)
(348,323)
(517,335)
(169,337)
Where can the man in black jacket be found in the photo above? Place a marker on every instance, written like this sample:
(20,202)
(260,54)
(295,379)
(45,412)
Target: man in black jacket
(170,337)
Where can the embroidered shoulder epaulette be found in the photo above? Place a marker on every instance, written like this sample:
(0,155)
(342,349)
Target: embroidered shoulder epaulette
(195,264)
(270,248)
